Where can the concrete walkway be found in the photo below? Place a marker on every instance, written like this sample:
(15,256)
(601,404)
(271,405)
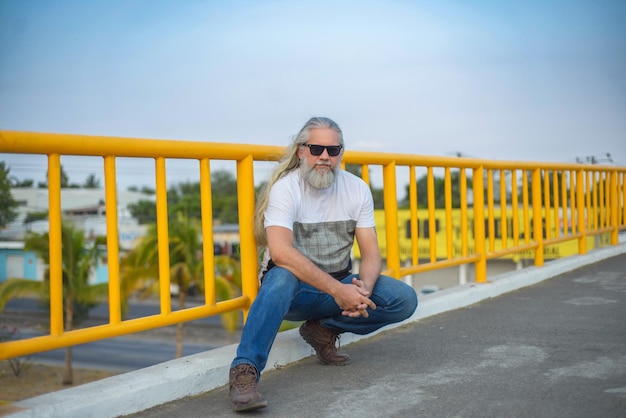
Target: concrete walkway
(519,346)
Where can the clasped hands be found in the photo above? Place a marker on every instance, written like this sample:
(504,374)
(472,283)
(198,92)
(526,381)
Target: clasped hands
(354,299)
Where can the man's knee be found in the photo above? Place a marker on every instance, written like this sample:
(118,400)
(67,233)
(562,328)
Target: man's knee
(401,297)
(410,301)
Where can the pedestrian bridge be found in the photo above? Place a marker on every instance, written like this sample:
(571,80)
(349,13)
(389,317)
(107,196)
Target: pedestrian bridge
(541,342)
(535,206)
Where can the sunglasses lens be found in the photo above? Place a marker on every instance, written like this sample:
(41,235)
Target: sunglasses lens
(333,151)
(316,149)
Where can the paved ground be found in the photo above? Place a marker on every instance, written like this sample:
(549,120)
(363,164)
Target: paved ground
(555,349)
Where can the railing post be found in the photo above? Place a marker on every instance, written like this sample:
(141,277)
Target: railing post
(163,237)
(432,226)
(448,206)
(390,199)
(580,212)
(413,217)
(490,212)
(464,227)
(614,208)
(55,244)
(479,224)
(206,204)
(622,199)
(249,262)
(113,256)
(537,218)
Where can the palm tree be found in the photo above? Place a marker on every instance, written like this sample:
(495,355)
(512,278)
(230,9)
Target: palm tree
(79,258)
(140,269)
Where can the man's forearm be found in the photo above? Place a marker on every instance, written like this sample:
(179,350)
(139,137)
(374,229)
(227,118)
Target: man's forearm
(369,271)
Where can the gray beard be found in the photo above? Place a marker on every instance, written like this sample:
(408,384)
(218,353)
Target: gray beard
(316,179)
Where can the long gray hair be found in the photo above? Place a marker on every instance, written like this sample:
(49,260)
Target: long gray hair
(289,162)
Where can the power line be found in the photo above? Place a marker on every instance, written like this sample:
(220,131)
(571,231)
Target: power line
(596,159)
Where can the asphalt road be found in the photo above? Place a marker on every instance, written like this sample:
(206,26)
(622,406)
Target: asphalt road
(119,354)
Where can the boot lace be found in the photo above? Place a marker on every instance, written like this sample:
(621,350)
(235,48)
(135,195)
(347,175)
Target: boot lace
(245,379)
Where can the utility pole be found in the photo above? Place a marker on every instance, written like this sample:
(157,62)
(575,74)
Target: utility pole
(595,159)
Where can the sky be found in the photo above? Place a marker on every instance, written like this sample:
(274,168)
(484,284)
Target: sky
(538,80)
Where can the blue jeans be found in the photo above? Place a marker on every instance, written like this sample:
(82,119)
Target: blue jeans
(283,296)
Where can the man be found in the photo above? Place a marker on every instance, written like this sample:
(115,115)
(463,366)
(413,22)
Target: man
(307,220)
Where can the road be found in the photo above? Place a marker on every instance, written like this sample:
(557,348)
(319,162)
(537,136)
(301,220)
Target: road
(125,353)
(119,354)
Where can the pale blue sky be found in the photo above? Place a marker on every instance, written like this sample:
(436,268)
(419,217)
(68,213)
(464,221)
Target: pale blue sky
(532,80)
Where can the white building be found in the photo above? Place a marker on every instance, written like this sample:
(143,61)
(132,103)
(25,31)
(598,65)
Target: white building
(85,207)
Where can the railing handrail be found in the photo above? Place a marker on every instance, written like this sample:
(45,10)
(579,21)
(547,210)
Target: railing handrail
(23,142)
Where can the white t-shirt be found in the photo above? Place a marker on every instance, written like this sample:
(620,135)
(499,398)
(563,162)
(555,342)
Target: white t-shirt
(323,221)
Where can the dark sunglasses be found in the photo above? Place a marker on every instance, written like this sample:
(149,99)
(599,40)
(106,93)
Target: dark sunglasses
(333,150)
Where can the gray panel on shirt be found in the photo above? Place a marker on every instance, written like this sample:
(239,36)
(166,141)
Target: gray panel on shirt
(327,244)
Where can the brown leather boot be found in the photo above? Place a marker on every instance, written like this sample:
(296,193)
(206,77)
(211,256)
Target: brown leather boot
(323,341)
(244,395)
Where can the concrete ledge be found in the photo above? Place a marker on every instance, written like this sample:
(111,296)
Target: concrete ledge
(188,376)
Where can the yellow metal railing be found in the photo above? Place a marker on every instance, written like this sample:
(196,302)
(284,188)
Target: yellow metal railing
(556,203)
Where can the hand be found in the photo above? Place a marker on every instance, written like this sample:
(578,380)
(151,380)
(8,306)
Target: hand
(361,285)
(354,299)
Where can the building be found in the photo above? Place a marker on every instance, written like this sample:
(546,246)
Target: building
(84,207)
